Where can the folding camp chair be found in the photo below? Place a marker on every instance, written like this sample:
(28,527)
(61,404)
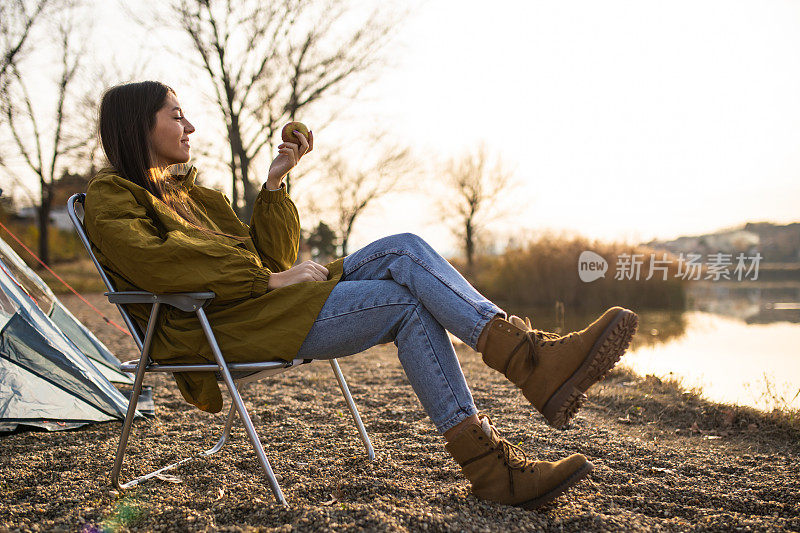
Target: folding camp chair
(232,374)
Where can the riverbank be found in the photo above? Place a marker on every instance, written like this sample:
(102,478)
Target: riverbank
(664,458)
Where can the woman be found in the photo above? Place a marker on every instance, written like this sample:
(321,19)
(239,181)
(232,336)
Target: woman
(153,228)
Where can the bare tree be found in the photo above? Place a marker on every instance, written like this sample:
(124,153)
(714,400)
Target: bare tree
(267,61)
(84,109)
(17,17)
(475,184)
(351,190)
(43,146)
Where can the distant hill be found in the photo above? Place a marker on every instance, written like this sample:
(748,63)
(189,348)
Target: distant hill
(775,243)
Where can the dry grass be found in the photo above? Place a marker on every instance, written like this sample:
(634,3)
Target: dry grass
(668,405)
(64,244)
(544,270)
(80,274)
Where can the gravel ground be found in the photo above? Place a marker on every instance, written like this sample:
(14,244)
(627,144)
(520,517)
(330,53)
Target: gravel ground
(664,460)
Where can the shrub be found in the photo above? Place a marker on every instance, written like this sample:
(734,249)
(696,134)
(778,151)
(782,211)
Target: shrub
(544,270)
(64,244)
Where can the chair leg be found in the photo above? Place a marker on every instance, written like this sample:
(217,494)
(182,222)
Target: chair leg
(353,409)
(137,390)
(225,433)
(156,473)
(126,427)
(236,398)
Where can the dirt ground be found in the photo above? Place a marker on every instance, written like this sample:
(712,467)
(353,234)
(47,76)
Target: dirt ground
(664,460)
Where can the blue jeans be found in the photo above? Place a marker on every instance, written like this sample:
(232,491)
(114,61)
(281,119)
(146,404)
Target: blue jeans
(399,289)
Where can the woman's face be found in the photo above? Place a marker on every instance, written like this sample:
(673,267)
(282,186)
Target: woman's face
(169,138)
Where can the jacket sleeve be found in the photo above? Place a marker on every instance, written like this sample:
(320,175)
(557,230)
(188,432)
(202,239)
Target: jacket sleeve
(171,261)
(275,229)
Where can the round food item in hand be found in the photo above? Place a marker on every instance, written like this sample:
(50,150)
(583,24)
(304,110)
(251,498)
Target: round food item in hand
(287,133)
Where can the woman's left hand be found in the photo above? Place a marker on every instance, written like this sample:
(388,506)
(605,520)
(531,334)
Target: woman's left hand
(289,155)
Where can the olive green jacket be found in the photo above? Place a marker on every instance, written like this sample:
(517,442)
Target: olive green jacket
(144,245)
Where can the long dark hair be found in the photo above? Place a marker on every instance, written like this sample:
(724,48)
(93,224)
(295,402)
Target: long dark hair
(127,116)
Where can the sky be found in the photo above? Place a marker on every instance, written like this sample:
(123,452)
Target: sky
(622,120)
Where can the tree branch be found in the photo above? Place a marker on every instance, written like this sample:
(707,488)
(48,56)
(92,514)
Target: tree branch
(14,50)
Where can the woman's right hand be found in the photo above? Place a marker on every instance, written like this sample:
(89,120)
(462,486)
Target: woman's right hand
(305,271)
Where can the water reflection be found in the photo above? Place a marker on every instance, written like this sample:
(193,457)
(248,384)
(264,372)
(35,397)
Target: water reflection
(762,303)
(740,345)
(730,360)
(655,326)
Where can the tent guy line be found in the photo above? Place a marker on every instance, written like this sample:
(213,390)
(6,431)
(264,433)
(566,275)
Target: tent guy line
(67,285)
(54,373)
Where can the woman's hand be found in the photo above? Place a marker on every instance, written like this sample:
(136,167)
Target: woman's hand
(305,271)
(289,155)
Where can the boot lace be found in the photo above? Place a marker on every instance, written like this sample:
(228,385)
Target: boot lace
(536,338)
(548,335)
(515,457)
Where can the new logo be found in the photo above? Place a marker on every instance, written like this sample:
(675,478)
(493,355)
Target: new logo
(591,266)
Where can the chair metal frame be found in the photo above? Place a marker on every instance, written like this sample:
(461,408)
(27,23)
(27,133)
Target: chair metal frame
(234,375)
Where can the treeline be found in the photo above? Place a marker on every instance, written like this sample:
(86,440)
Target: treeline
(543,271)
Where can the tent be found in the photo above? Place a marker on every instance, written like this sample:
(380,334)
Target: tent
(43,296)
(51,377)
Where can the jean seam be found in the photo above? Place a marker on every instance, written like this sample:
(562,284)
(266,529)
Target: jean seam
(479,326)
(351,311)
(421,263)
(439,363)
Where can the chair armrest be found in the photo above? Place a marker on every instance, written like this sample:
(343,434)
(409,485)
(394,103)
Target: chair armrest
(185,301)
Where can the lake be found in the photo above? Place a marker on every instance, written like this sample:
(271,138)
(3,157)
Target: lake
(740,345)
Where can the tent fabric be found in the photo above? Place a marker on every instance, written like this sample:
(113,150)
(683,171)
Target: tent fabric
(45,379)
(90,345)
(24,346)
(47,301)
(43,402)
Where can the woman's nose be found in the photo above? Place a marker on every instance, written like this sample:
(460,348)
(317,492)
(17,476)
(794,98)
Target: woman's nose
(188,127)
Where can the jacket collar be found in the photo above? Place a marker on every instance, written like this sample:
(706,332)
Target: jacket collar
(184,173)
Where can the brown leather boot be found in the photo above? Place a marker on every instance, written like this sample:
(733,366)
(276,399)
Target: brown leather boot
(501,472)
(555,372)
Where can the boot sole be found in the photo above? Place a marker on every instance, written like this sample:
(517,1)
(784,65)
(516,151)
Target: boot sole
(576,476)
(605,353)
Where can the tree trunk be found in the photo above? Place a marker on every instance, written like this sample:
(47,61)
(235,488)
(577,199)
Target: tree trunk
(348,229)
(235,138)
(292,107)
(234,180)
(250,189)
(240,164)
(469,244)
(44,230)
